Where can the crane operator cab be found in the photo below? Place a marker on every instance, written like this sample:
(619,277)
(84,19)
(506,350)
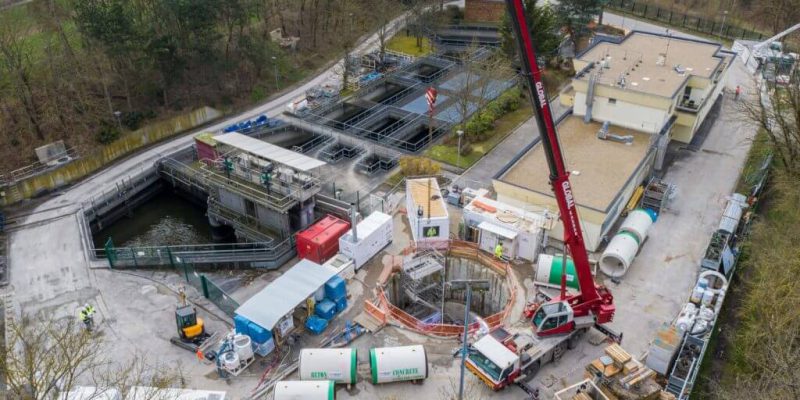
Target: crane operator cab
(189,326)
(553,318)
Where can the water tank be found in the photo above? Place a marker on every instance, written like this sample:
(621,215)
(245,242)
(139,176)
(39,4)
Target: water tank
(638,223)
(243,346)
(549,270)
(230,360)
(338,365)
(304,390)
(619,254)
(395,364)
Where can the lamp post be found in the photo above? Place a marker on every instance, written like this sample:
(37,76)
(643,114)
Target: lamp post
(468,284)
(724,15)
(460,133)
(275,66)
(118,116)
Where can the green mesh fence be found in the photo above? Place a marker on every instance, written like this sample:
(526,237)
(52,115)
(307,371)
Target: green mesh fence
(163,256)
(216,295)
(206,286)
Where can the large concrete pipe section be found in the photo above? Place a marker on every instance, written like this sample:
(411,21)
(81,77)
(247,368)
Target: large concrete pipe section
(638,223)
(549,270)
(623,247)
(619,254)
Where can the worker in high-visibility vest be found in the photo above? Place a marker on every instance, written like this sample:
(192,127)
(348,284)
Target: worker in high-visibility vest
(498,251)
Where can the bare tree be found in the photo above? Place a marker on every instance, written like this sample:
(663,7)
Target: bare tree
(482,73)
(15,62)
(472,389)
(43,358)
(776,111)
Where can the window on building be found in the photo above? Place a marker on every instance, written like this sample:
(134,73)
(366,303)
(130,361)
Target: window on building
(612,101)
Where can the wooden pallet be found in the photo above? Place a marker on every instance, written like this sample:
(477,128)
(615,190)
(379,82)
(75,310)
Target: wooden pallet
(618,354)
(368,322)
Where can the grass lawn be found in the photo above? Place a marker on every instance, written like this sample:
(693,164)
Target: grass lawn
(408,45)
(502,128)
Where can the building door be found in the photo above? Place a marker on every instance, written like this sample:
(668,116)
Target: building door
(250,209)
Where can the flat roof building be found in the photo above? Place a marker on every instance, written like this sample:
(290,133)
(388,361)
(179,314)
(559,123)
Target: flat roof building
(647,81)
(605,174)
(650,87)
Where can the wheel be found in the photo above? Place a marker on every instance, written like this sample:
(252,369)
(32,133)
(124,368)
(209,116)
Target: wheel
(532,370)
(573,341)
(560,349)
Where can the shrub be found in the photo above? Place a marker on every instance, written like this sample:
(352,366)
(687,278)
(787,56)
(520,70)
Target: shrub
(108,132)
(466,148)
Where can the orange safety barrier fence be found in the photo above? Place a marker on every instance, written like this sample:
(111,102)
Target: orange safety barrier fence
(456,248)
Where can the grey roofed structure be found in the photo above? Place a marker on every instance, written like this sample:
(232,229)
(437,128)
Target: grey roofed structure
(284,294)
(269,151)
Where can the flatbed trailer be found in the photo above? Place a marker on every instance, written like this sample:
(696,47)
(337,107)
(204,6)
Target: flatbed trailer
(502,358)
(505,357)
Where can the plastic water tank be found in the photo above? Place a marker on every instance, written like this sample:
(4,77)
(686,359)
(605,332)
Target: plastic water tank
(708,297)
(619,254)
(243,346)
(697,294)
(230,360)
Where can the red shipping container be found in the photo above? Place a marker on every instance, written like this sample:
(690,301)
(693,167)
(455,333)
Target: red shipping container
(320,242)
(206,148)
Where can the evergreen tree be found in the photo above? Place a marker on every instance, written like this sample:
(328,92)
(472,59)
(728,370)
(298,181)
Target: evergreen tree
(543,25)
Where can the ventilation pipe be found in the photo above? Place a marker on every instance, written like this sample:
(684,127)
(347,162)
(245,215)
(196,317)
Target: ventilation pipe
(354,221)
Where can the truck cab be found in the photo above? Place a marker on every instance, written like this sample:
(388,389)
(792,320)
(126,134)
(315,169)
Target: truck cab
(493,362)
(553,318)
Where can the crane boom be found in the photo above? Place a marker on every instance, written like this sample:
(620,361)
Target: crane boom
(592,299)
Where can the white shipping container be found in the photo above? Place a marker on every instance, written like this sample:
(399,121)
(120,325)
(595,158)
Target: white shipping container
(304,390)
(434,224)
(374,233)
(338,365)
(394,364)
(529,226)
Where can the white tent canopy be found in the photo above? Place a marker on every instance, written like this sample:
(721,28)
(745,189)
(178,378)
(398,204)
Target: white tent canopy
(284,294)
(269,151)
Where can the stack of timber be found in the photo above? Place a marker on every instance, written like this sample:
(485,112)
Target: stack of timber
(621,377)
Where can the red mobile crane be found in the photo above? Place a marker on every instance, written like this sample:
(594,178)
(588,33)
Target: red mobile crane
(565,313)
(503,358)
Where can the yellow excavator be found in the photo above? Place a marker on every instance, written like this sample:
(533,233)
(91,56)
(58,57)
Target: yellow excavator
(191,331)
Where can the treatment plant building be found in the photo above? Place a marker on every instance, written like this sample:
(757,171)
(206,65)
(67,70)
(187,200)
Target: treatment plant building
(629,99)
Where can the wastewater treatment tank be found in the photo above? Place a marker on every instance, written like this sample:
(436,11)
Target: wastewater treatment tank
(397,364)
(304,390)
(337,365)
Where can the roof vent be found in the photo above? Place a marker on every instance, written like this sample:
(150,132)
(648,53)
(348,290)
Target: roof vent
(680,69)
